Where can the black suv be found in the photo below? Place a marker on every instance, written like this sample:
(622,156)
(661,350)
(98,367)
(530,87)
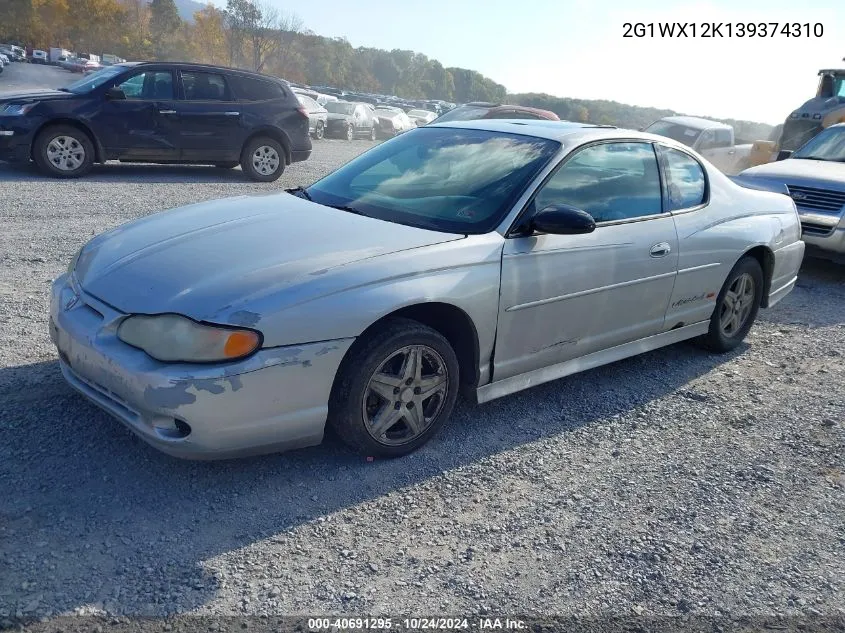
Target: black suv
(158,113)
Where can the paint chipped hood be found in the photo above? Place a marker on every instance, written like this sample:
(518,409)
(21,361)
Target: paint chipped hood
(206,258)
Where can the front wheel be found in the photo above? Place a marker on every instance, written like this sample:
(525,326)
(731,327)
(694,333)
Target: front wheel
(319,130)
(394,390)
(736,306)
(263,159)
(350,132)
(63,151)
(373,134)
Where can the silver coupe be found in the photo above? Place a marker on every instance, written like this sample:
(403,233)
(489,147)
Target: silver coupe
(483,257)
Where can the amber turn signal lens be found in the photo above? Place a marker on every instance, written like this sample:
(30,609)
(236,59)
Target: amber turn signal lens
(240,344)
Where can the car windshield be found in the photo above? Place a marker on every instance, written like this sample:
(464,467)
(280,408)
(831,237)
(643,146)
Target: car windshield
(827,145)
(340,108)
(680,133)
(463,113)
(94,80)
(443,179)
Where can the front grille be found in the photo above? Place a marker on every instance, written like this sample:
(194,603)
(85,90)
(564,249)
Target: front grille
(817,200)
(816,230)
(796,132)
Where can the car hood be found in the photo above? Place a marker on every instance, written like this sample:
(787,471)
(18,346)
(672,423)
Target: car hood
(204,259)
(25,96)
(800,171)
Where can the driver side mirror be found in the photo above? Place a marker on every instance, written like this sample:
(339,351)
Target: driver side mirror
(115,94)
(563,219)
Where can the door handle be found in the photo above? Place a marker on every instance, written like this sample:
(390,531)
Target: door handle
(231,114)
(660,250)
(167,111)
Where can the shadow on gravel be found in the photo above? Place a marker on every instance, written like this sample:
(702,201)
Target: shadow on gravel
(92,516)
(818,279)
(115,172)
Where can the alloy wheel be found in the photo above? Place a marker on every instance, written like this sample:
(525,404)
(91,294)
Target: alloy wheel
(737,305)
(265,160)
(405,395)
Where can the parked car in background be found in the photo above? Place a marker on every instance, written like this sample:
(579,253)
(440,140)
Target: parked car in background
(9,53)
(814,177)
(392,121)
(38,57)
(712,139)
(108,59)
(421,117)
(158,112)
(90,66)
(317,115)
(484,110)
(462,257)
(56,55)
(350,120)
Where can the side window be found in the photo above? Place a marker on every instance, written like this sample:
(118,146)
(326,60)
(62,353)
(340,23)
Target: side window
(723,138)
(708,140)
(610,181)
(153,84)
(686,185)
(202,86)
(252,89)
(308,103)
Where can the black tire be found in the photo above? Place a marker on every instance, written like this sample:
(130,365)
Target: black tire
(319,130)
(718,338)
(350,132)
(55,161)
(373,134)
(352,386)
(227,165)
(259,169)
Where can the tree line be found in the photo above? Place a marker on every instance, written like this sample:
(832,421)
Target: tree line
(254,34)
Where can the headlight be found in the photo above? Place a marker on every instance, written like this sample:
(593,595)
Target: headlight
(17,109)
(173,338)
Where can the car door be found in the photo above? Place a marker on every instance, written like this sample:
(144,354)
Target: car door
(565,296)
(210,120)
(141,126)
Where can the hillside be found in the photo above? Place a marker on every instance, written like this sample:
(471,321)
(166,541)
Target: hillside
(187,8)
(628,116)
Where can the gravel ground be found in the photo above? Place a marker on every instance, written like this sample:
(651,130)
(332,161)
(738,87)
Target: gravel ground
(674,483)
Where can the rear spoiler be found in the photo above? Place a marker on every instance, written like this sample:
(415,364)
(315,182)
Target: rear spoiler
(760,185)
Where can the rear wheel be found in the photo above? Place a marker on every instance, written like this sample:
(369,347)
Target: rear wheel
(63,151)
(373,133)
(394,390)
(263,159)
(736,307)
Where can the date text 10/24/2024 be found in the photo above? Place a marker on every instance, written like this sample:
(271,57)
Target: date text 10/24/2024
(417,624)
(722,29)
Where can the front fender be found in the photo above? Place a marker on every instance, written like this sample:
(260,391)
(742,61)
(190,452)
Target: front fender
(464,273)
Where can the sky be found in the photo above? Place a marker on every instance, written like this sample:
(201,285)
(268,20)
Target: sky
(576,48)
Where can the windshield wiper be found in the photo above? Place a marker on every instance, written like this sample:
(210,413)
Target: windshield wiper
(341,207)
(300,192)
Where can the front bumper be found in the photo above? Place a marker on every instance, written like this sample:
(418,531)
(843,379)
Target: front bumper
(15,140)
(275,400)
(831,246)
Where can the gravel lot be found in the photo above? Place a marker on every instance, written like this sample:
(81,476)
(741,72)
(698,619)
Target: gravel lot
(674,483)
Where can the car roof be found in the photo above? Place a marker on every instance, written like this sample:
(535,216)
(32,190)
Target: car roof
(695,122)
(568,132)
(227,69)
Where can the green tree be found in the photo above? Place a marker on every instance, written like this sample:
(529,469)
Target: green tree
(165,27)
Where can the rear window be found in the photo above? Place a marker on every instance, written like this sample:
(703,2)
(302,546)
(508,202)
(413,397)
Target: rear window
(464,113)
(253,89)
